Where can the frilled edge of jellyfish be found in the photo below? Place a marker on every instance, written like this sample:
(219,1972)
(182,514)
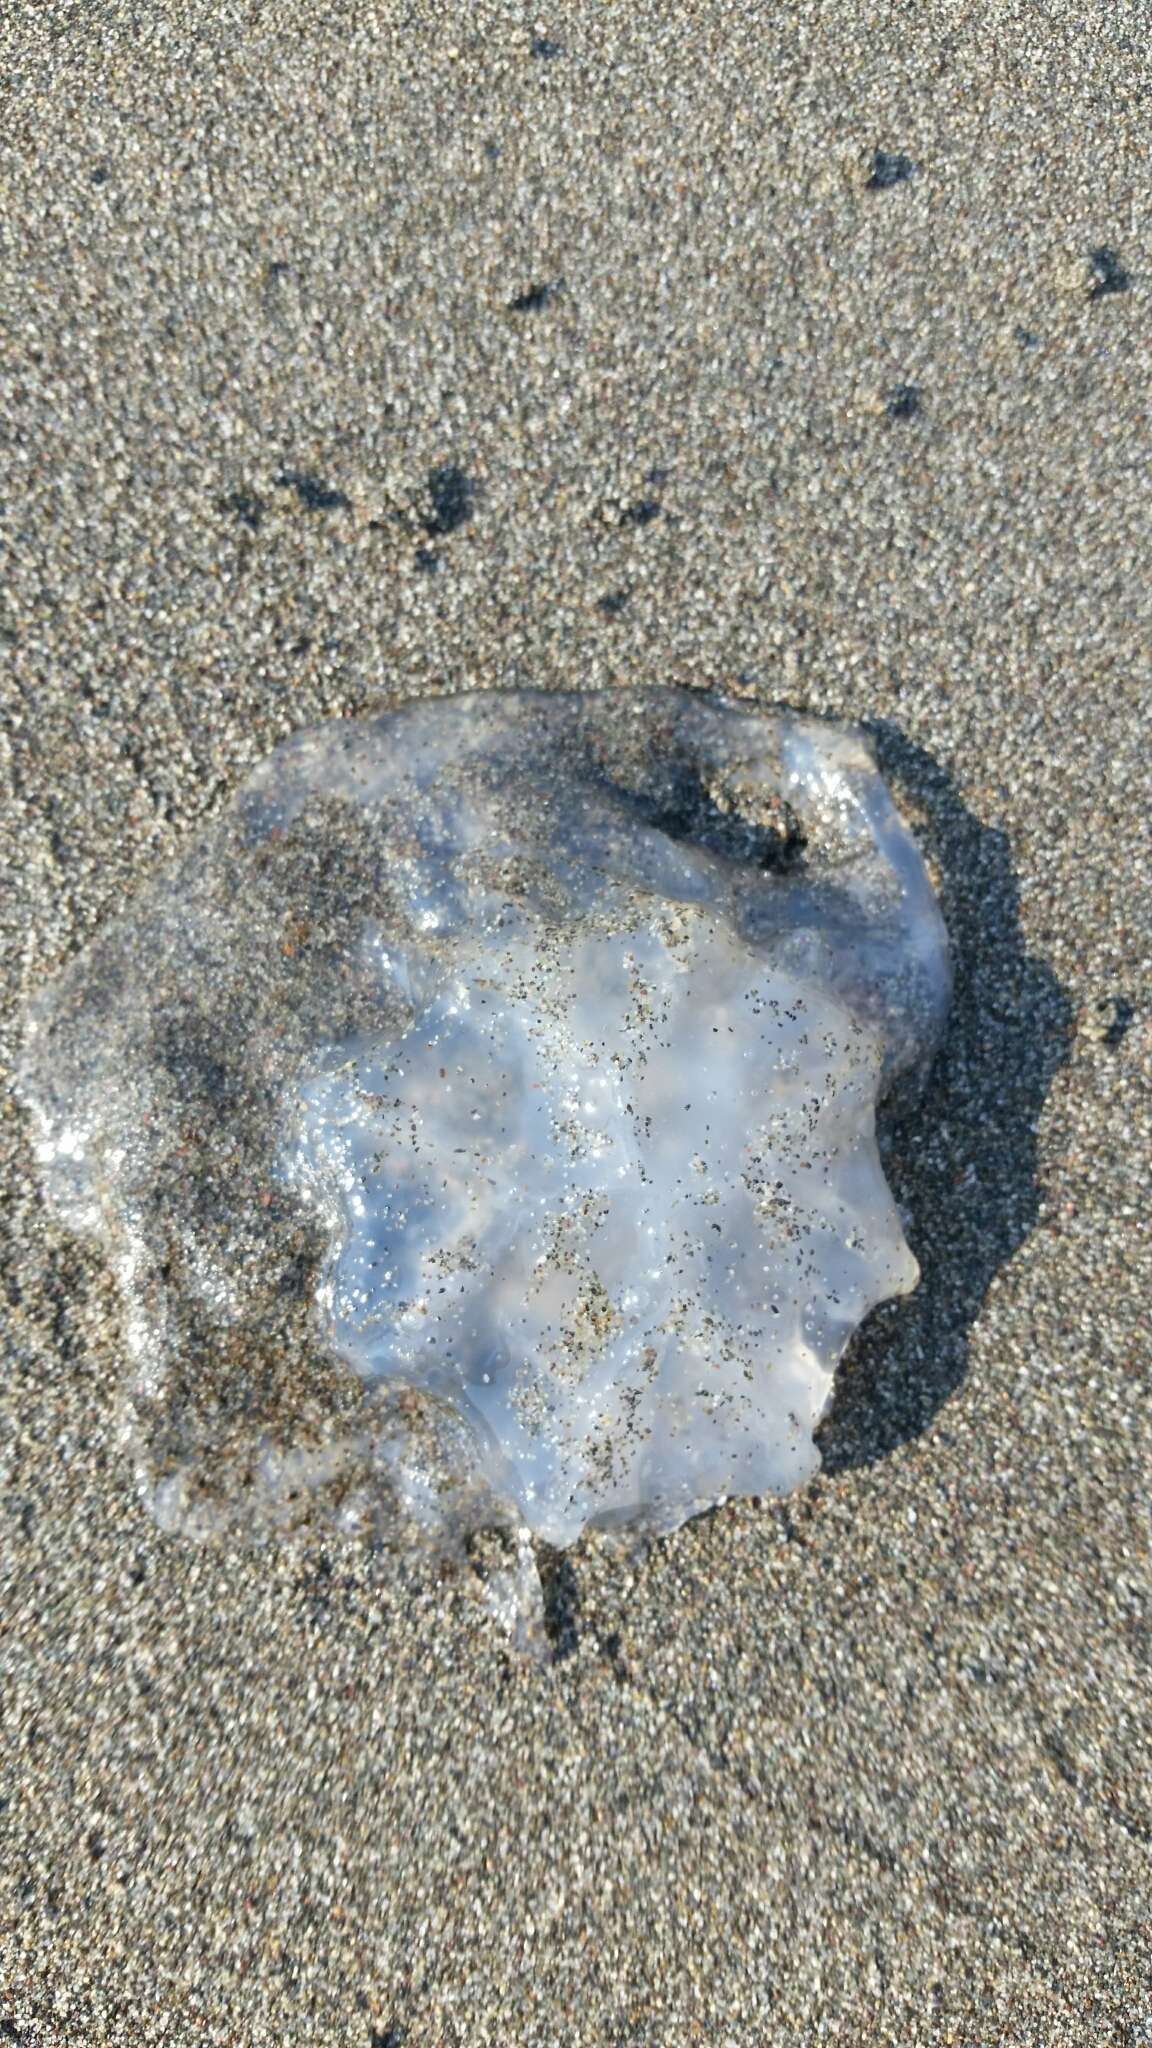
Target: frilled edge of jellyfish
(133,1047)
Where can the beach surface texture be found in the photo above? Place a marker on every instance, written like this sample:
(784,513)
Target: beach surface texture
(351,353)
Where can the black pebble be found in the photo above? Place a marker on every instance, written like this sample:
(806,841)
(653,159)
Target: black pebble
(99,176)
(532,301)
(453,500)
(543,46)
(902,402)
(642,513)
(1111,275)
(313,495)
(426,560)
(889,170)
(613,603)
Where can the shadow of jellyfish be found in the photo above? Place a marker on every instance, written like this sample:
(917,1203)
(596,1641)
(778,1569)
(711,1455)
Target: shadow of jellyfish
(963,1162)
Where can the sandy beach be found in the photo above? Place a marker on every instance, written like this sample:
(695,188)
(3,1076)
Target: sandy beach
(352,352)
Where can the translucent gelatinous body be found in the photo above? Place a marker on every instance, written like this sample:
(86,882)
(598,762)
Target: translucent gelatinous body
(482,1113)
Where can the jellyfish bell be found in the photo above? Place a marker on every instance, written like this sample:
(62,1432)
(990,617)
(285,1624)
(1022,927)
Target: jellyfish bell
(480,1116)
